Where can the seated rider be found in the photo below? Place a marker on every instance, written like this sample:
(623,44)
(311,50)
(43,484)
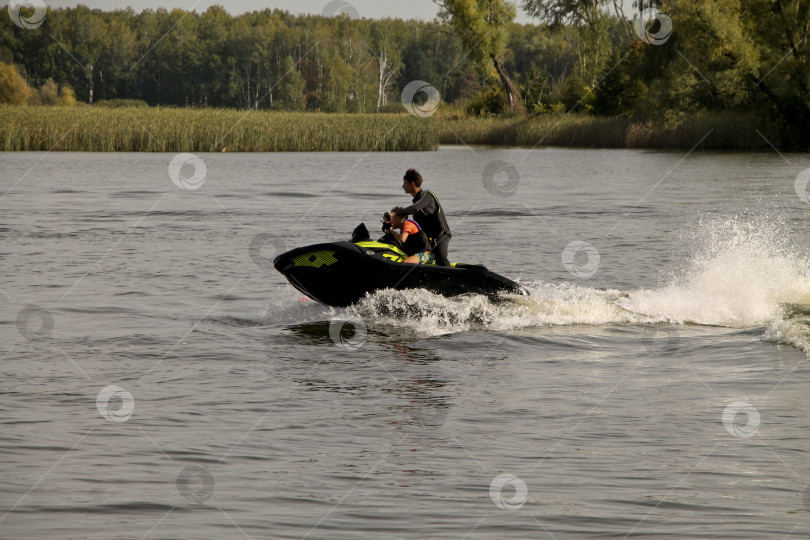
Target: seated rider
(411,237)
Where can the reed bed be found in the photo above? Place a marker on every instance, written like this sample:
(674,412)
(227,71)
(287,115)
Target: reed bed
(96,129)
(721,131)
(91,129)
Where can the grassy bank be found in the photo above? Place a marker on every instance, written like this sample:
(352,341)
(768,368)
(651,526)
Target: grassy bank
(96,129)
(726,131)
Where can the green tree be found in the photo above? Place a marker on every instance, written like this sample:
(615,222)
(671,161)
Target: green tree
(483,26)
(336,83)
(291,88)
(542,59)
(591,24)
(386,37)
(560,12)
(621,88)
(737,55)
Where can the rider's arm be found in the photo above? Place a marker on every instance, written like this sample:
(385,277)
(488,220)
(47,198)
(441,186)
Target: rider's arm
(426,201)
(400,236)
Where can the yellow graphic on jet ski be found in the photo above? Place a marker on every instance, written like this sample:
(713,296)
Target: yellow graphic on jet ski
(316,259)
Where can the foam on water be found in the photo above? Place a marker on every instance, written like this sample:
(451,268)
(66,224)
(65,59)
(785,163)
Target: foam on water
(548,305)
(739,272)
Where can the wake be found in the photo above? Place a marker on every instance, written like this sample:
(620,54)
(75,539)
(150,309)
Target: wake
(741,272)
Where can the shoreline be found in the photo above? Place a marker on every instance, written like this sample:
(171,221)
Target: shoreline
(98,129)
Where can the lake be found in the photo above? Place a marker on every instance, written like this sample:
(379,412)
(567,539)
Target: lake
(162,380)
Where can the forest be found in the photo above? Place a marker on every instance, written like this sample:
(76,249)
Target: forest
(673,61)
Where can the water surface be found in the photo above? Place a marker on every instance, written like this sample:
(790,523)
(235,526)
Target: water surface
(161,380)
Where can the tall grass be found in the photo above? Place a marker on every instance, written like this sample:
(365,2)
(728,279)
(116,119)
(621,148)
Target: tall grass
(726,130)
(96,129)
(91,129)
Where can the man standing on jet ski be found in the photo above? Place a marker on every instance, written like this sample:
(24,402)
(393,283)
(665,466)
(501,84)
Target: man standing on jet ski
(428,213)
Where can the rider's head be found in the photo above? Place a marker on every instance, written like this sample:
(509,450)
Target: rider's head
(412,176)
(396,219)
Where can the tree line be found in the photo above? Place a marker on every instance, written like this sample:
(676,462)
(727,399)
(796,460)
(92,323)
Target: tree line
(265,60)
(675,59)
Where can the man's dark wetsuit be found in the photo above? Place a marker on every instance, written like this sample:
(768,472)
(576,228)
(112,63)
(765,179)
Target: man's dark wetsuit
(428,213)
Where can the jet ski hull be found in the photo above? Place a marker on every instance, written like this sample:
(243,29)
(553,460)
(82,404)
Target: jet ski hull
(341,273)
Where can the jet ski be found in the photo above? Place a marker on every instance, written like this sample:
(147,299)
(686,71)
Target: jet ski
(341,273)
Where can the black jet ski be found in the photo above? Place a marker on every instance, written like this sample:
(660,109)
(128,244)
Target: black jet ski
(341,273)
